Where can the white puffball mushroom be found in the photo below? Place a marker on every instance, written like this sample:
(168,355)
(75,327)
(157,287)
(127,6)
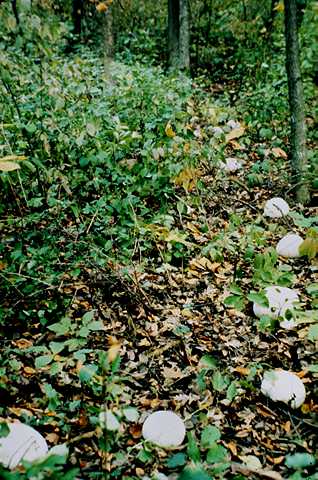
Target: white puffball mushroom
(289,245)
(231,165)
(283,386)
(164,429)
(280,299)
(22,443)
(275,208)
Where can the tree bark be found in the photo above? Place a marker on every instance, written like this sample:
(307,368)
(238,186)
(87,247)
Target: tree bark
(184,35)
(296,102)
(77,16)
(173,32)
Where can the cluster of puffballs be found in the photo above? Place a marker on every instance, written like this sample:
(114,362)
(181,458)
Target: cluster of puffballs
(165,428)
(281,385)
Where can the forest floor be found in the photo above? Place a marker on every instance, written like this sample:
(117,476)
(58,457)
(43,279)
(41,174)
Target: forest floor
(181,323)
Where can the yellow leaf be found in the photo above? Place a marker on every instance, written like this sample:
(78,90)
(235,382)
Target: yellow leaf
(309,247)
(102,7)
(10,158)
(8,166)
(280,7)
(188,178)
(235,133)
(114,348)
(169,131)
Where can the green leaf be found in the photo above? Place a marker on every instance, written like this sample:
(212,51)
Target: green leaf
(208,362)
(312,289)
(194,473)
(43,361)
(96,325)
(4,429)
(209,436)
(259,298)
(235,301)
(88,316)
(61,328)
(219,381)
(300,460)
(235,289)
(144,456)
(193,450)
(313,332)
(231,391)
(56,347)
(176,460)
(87,372)
(216,454)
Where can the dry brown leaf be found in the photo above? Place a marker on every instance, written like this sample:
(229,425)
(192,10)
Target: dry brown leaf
(52,438)
(235,133)
(23,343)
(279,153)
(8,166)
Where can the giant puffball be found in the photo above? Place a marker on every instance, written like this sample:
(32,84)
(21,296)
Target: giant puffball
(280,299)
(276,207)
(289,245)
(283,386)
(22,443)
(164,429)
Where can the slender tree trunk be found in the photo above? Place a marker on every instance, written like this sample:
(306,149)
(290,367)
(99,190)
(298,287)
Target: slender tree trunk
(108,40)
(296,102)
(77,16)
(15,11)
(184,35)
(173,32)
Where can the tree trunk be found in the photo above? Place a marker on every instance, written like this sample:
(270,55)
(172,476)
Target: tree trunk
(184,35)
(77,16)
(108,40)
(296,102)
(173,32)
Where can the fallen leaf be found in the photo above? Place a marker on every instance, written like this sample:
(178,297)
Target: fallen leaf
(235,133)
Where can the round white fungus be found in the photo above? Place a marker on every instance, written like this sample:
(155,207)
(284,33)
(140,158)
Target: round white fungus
(280,299)
(283,386)
(275,208)
(164,428)
(231,165)
(289,245)
(22,443)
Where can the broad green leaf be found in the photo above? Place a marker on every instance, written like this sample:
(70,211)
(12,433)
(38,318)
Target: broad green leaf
(216,454)
(235,289)
(144,456)
(43,361)
(4,429)
(209,436)
(176,460)
(313,332)
(235,301)
(193,450)
(300,460)
(208,362)
(194,473)
(87,372)
(56,347)
(96,325)
(219,381)
(231,391)
(259,298)
(88,316)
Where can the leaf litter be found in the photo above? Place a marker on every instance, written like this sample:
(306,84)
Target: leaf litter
(182,347)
